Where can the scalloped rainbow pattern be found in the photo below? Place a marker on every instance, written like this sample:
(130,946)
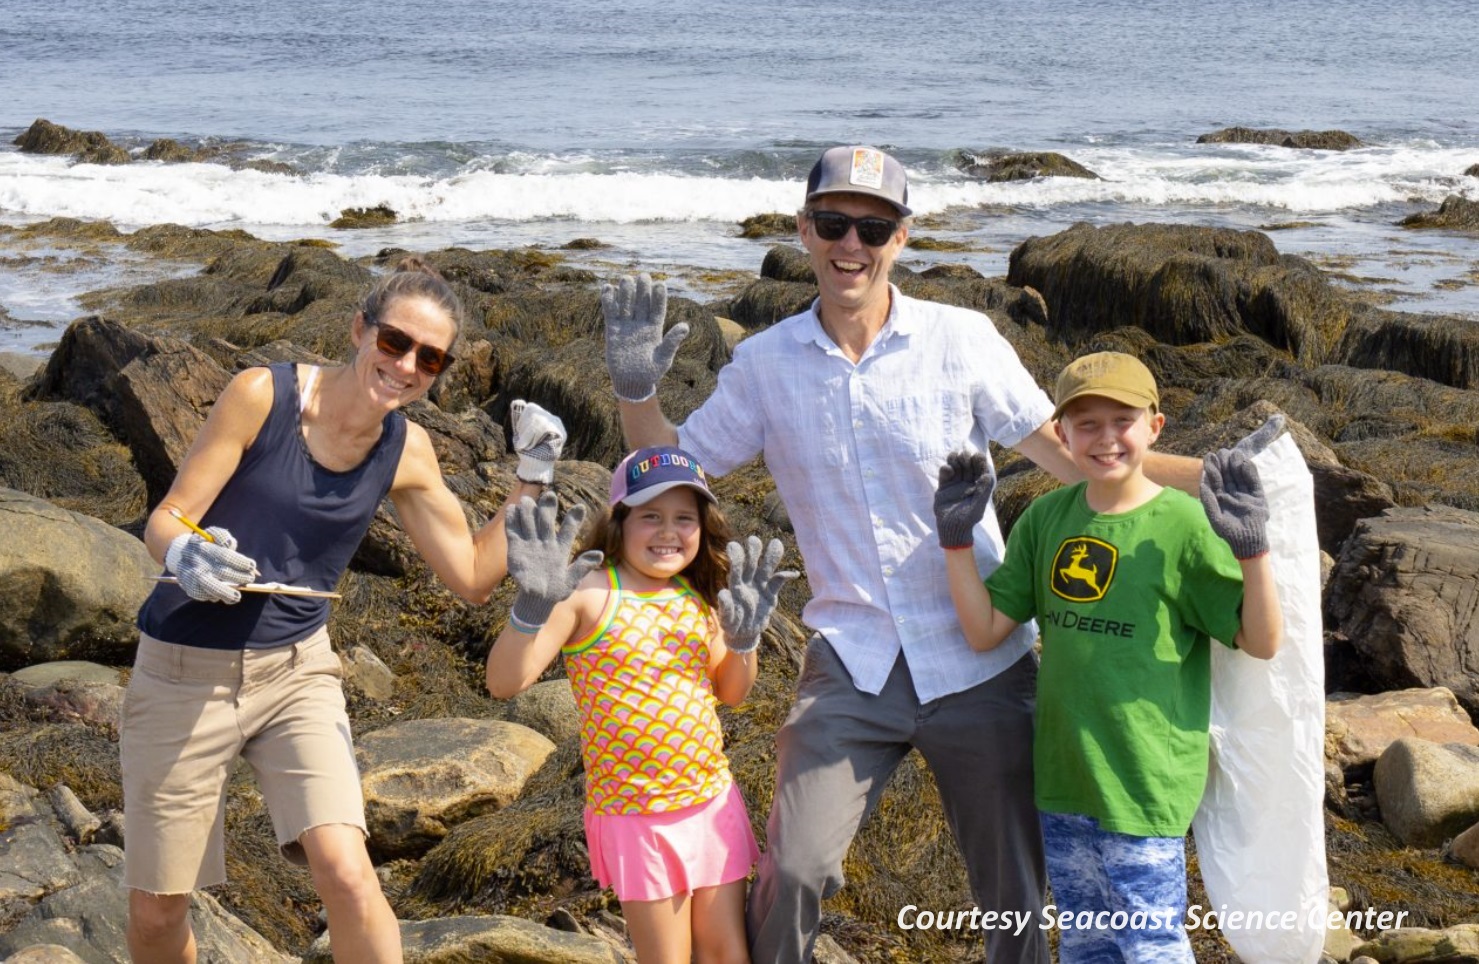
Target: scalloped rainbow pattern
(650,736)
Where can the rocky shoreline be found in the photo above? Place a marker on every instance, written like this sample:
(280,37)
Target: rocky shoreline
(488,853)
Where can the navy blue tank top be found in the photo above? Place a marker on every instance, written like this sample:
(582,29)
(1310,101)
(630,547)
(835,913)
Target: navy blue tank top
(300,521)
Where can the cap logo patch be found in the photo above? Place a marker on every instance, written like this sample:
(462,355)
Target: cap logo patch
(867,168)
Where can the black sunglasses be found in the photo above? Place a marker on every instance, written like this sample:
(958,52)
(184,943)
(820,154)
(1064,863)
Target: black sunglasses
(394,343)
(833,225)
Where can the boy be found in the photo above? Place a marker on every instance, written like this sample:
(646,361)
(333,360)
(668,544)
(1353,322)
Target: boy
(1128,581)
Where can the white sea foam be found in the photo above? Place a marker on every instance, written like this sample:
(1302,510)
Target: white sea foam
(567,188)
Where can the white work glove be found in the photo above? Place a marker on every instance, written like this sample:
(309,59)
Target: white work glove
(209,571)
(539,437)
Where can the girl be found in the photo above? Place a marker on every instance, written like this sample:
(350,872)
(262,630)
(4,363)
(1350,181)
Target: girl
(649,641)
(285,476)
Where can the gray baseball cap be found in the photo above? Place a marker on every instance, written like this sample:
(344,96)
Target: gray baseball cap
(860,170)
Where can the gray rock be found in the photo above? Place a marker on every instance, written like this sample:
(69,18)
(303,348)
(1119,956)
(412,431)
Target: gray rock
(1428,792)
(33,859)
(1457,943)
(41,676)
(1359,728)
(70,585)
(90,918)
(1394,593)
(492,940)
(1465,847)
(44,954)
(423,777)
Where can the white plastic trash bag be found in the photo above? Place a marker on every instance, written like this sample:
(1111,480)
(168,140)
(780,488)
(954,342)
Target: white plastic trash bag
(1260,830)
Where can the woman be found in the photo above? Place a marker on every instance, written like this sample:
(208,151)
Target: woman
(284,478)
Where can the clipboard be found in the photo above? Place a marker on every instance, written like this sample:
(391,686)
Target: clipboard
(271,587)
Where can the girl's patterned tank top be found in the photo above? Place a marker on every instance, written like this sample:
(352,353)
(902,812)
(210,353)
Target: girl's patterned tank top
(650,736)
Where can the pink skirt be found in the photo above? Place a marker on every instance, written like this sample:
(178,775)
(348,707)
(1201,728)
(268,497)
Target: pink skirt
(652,856)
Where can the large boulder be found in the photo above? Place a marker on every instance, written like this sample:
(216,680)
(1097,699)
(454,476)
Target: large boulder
(93,147)
(1393,595)
(1358,728)
(423,777)
(70,585)
(1437,347)
(1428,792)
(1183,284)
(33,859)
(491,939)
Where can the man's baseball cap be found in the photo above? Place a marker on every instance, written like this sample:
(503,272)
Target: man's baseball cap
(647,473)
(860,170)
(1111,374)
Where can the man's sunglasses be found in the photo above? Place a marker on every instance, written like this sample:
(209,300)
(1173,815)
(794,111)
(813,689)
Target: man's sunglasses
(833,225)
(394,343)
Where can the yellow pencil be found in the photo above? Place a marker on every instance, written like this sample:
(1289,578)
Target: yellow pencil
(197,529)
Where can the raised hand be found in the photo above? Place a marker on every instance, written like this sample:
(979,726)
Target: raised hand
(1232,495)
(755,586)
(539,437)
(638,354)
(539,558)
(967,480)
(209,571)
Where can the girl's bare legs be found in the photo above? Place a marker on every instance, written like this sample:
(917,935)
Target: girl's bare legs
(719,924)
(661,930)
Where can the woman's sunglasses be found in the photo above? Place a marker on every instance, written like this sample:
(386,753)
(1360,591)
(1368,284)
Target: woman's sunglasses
(394,343)
(832,226)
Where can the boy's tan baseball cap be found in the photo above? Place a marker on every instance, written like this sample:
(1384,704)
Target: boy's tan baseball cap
(1111,374)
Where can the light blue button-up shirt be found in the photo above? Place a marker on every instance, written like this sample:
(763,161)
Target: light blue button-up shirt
(855,450)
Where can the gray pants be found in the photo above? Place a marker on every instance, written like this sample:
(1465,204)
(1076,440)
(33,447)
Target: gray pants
(834,756)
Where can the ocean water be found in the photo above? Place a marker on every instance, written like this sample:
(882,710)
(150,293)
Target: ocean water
(657,126)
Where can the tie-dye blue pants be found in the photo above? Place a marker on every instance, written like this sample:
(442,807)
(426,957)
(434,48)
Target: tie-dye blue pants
(1126,895)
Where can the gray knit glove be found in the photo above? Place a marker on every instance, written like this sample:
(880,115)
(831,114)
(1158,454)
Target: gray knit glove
(1233,496)
(967,480)
(209,571)
(638,354)
(539,437)
(746,606)
(539,558)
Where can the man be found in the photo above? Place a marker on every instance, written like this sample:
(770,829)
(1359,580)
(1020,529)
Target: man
(855,403)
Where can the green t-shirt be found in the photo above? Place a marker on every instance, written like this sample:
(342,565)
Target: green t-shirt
(1126,604)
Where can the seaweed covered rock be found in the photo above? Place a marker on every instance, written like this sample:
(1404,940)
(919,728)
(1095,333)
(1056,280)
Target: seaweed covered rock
(90,147)
(1183,284)
(377,216)
(1391,592)
(70,585)
(768,226)
(1454,214)
(1440,348)
(1008,166)
(1332,140)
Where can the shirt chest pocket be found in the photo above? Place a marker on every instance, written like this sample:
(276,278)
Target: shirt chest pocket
(927,425)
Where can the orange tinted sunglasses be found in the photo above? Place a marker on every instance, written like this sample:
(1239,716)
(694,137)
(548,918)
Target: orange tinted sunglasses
(394,343)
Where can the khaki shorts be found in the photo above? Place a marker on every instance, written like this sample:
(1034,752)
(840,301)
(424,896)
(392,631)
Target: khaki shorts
(189,713)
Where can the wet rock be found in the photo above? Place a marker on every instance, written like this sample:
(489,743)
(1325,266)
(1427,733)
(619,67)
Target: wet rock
(170,151)
(1454,214)
(422,777)
(452,940)
(91,147)
(70,585)
(373,217)
(1333,140)
(767,301)
(1391,596)
(1472,171)
(786,262)
(1359,728)
(1006,166)
(769,226)
(1428,792)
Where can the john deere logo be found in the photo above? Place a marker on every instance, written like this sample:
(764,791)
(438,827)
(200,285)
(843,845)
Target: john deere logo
(1083,569)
